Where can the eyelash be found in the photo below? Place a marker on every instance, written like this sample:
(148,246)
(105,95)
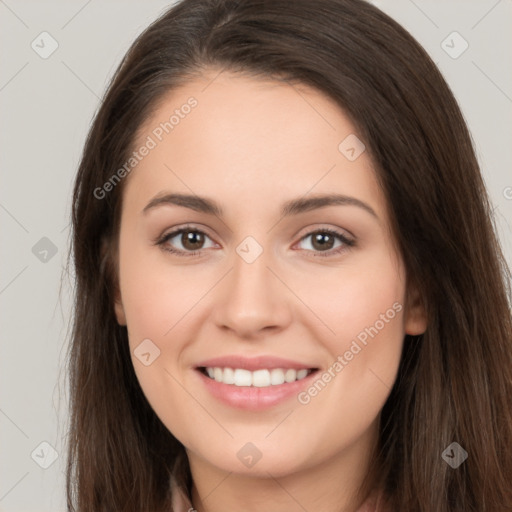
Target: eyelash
(347,243)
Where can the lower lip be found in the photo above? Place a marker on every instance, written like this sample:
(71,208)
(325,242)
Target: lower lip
(253,398)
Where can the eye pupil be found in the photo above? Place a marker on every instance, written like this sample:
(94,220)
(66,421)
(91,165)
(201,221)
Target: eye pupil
(192,237)
(320,241)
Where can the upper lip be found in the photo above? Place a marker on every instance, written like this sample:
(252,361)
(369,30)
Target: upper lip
(253,363)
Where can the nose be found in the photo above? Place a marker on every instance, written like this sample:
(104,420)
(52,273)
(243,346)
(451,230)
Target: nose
(252,299)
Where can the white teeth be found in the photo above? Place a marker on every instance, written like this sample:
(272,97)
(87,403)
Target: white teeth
(242,377)
(276,377)
(228,376)
(290,375)
(259,378)
(301,374)
(217,374)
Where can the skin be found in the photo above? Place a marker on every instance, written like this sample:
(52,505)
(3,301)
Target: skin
(251,144)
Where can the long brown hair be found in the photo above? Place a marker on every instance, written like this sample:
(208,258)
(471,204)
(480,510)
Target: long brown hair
(454,382)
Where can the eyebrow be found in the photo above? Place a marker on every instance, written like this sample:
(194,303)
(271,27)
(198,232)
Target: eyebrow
(292,207)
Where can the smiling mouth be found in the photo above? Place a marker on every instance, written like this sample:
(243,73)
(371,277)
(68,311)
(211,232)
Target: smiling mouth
(259,378)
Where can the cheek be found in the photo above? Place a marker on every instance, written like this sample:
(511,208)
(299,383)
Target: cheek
(160,303)
(158,300)
(353,297)
(156,296)
(363,331)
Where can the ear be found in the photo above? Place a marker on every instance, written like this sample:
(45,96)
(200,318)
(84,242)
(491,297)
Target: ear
(415,312)
(119,309)
(110,273)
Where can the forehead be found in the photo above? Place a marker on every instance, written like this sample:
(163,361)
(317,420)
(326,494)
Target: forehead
(250,138)
(237,108)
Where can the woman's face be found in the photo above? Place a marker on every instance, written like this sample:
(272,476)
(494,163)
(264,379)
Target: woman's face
(287,265)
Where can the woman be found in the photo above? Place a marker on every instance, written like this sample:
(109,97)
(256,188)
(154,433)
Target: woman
(289,292)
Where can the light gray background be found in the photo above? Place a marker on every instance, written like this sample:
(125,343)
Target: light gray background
(47,106)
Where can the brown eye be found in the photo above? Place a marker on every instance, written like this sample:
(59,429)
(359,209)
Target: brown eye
(322,241)
(191,240)
(327,242)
